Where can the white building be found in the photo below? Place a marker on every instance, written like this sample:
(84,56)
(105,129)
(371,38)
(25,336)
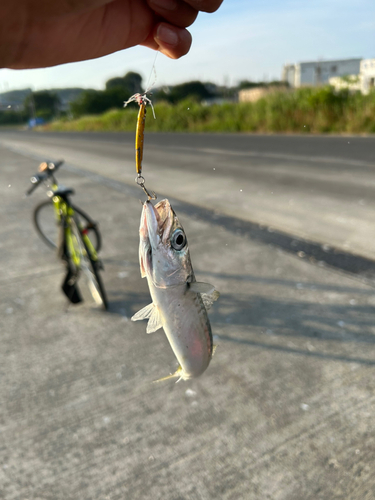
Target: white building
(350,82)
(319,72)
(363,81)
(367,75)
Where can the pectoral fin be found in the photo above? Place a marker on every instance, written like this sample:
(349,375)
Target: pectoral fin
(207,291)
(151,313)
(144,313)
(154,323)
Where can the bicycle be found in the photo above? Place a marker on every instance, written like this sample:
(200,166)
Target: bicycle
(65,227)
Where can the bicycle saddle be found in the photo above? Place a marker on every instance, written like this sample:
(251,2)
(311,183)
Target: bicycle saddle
(63,191)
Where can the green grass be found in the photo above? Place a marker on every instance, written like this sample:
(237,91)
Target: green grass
(304,110)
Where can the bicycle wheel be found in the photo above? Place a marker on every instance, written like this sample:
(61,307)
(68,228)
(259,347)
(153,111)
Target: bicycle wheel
(47,226)
(88,267)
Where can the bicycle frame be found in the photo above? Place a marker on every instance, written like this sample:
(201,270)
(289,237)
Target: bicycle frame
(64,214)
(73,244)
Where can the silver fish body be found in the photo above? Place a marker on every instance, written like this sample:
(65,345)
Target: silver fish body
(178,301)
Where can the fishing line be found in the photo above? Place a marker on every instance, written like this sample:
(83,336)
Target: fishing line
(153,71)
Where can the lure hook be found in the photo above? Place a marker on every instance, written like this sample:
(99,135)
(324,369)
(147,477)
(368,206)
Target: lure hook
(140,180)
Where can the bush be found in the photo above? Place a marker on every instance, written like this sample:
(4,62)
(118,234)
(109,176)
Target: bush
(12,117)
(303,110)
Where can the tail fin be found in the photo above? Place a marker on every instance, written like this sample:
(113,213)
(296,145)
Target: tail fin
(177,373)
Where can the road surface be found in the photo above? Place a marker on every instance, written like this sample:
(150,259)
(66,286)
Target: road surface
(282,226)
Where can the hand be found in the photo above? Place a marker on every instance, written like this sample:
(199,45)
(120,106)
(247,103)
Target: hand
(40,33)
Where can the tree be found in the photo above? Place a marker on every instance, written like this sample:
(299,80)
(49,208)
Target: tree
(43,104)
(94,102)
(246,84)
(134,82)
(194,90)
(117,82)
(131,83)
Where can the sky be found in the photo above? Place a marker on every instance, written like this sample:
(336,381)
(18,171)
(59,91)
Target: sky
(243,40)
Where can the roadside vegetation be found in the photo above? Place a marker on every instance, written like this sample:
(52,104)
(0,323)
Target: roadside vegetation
(306,110)
(196,107)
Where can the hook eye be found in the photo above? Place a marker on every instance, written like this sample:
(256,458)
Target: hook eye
(140,180)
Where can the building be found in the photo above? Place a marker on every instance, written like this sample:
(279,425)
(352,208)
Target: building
(363,81)
(367,75)
(350,82)
(319,72)
(256,93)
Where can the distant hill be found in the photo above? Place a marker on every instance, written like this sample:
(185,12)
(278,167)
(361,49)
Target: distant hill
(13,97)
(17,97)
(68,95)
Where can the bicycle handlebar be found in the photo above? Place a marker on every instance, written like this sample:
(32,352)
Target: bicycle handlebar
(36,180)
(55,165)
(40,177)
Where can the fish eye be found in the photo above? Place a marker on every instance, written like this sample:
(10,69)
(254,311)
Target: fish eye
(178,240)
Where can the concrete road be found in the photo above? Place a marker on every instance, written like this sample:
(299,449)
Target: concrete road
(285,410)
(316,188)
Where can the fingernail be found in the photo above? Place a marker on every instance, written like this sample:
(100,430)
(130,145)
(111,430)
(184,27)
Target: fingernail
(164,4)
(167,35)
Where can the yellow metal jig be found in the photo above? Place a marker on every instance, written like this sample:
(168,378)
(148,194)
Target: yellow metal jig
(142,100)
(139,137)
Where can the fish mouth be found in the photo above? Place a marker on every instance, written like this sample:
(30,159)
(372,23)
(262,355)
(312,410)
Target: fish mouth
(166,219)
(150,226)
(156,222)
(150,233)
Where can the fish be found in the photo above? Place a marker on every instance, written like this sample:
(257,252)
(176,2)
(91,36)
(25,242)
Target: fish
(179,303)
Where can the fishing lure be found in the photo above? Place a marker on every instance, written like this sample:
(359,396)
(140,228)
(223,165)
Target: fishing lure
(142,100)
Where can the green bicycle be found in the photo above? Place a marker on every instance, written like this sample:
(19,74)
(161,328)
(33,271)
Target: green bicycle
(65,227)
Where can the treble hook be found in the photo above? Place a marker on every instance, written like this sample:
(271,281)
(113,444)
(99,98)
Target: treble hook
(140,180)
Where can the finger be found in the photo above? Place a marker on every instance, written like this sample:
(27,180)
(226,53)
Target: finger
(205,5)
(172,41)
(48,8)
(174,11)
